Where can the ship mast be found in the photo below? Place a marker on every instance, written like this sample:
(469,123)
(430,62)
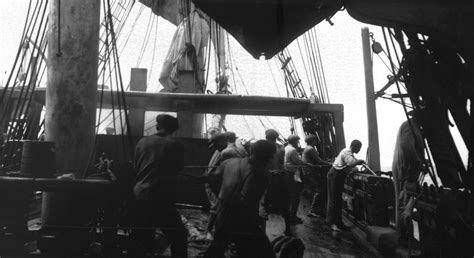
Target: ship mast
(373,152)
(72,81)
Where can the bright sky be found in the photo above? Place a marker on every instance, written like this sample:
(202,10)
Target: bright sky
(341,57)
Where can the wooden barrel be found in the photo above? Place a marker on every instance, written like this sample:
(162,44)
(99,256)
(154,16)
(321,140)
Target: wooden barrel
(38,159)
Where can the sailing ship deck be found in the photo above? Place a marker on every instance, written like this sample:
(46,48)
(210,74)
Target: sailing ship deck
(315,233)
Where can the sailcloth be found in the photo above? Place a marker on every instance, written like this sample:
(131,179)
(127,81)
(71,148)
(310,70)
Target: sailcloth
(186,53)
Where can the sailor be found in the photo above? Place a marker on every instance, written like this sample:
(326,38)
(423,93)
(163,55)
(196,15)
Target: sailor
(212,186)
(233,150)
(158,159)
(276,163)
(407,166)
(277,197)
(238,220)
(311,156)
(343,165)
(293,165)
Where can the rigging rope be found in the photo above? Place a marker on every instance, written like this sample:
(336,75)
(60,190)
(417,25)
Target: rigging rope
(427,164)
(154,48)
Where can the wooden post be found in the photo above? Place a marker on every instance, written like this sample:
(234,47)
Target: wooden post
(138,82)
(373,156)
(73,44)
(339,128)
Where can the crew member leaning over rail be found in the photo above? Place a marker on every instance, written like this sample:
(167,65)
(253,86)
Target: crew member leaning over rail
(342,166)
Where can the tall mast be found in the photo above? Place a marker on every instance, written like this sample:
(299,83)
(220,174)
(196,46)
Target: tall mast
(373,153)
(73,43)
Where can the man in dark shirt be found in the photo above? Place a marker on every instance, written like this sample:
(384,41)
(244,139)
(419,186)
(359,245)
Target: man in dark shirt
(311,156)
(277,197)
(213,184)
(238,220)
(158,159)
(407,166)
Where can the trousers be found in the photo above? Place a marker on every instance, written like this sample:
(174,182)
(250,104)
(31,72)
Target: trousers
(151,215)
(249,239)
(320,197)
(335,184)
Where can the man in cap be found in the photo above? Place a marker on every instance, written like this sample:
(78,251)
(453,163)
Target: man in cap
(342,166)
(238,220)
(232,150)
(158,159)
(311,156)
(277,197)
(293,165)
(276,163)
(213,184)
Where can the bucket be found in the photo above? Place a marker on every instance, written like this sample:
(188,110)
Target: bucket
(38,159)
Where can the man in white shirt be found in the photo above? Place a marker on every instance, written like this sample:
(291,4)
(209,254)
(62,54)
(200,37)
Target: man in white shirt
(343,164)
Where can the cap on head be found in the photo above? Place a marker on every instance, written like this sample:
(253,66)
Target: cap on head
(310,138)
(217,139)
(262,150)
(293,138)
(271,134)
(166,123)
(230,136)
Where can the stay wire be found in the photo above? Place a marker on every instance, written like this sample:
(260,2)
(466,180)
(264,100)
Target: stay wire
(309,78)
(121,86)
(34,81)
(273,77)
(433,178)
(312,64)
(154,49)
(145,39)
(17,53)
(33,20)
(321,67)
(425,147)
(22,100)
(316,69)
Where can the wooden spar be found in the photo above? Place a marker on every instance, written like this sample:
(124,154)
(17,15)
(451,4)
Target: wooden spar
(224,104)
(207,103)
(373,153)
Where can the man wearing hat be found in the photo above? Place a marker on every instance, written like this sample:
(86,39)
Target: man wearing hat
(293,165)
(232,150)
(158,159)
(277,197)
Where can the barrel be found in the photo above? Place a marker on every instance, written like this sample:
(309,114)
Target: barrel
(38,159)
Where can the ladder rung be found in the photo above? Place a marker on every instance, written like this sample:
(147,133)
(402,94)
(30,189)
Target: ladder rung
(286,63)
(297,83)
(120,4)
